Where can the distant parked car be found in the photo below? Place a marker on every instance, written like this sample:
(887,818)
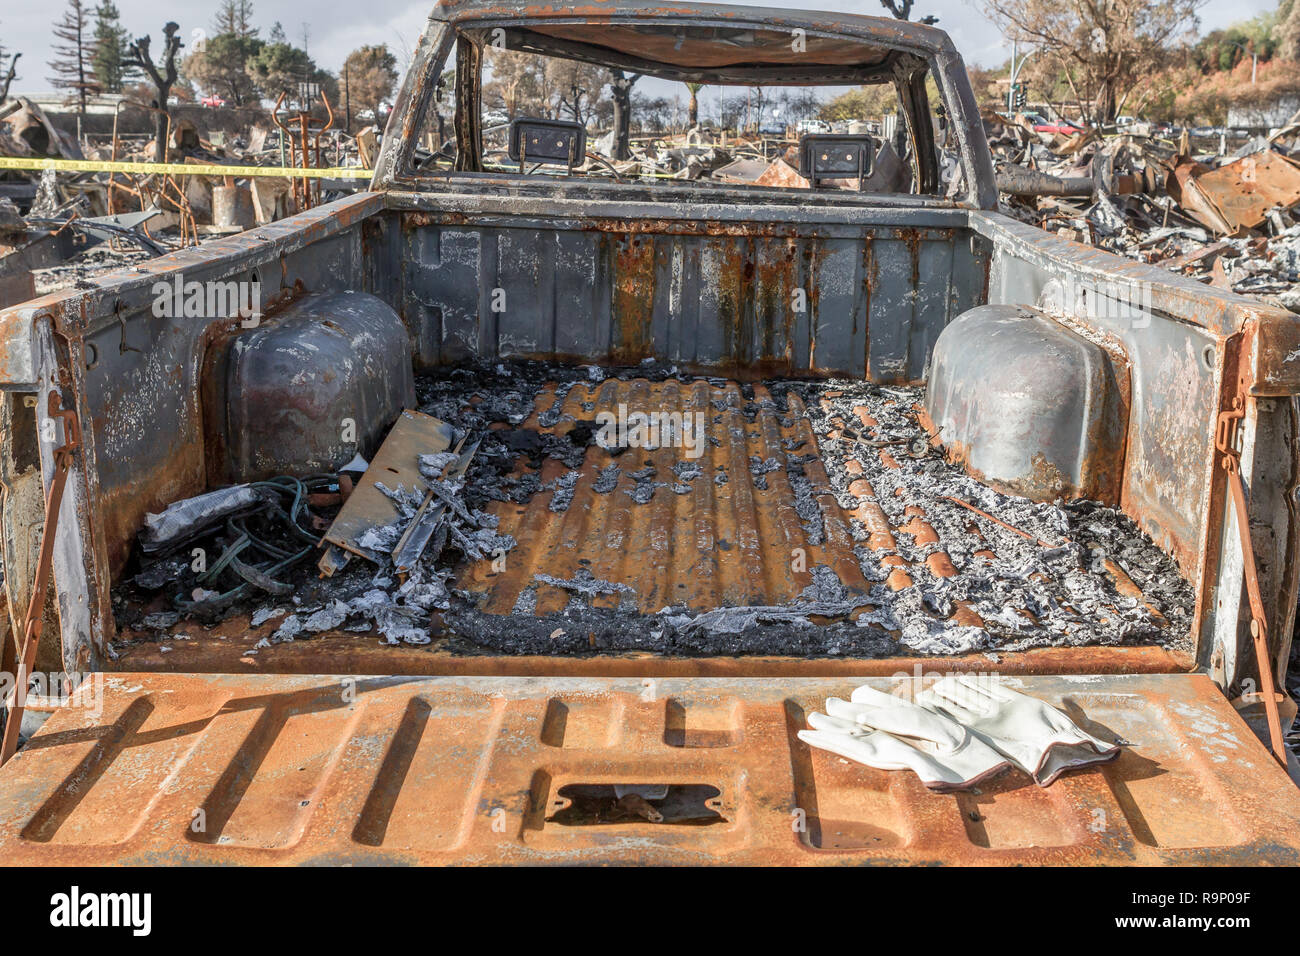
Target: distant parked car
(813,126)
(212,101)
(1063,127)
(1041,124)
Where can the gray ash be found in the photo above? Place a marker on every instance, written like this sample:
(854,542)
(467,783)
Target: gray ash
(606,480)
(1028,595)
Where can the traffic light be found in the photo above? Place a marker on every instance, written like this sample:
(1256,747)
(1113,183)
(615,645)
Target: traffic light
(1019,96)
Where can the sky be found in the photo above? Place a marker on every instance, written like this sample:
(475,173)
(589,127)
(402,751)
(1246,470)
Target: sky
(398,23)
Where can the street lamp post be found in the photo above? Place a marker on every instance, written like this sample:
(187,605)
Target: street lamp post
(1254,58)
(1016,66)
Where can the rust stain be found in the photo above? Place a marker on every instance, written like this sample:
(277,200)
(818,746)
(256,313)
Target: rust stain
(633,306)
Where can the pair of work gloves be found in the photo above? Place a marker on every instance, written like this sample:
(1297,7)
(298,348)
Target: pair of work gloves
(955,734)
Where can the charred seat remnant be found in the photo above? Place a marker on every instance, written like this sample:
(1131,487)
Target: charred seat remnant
(819,519)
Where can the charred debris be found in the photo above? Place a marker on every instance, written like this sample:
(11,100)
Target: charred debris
(60,228)
(1032,572)
(1215,204)
(1207,203)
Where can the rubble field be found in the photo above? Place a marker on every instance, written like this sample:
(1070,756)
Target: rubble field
(778,518)
(1223,212)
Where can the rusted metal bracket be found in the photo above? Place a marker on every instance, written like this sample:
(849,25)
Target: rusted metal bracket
(34,621)
(1225,435)
(306,194)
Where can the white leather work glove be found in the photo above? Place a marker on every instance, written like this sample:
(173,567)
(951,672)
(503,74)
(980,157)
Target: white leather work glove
(1040,739)
(890,733)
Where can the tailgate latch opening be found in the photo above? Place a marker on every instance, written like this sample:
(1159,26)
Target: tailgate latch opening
(610,804)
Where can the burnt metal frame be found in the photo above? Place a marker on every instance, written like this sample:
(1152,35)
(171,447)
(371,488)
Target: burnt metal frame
(917,49)
(1251,339)
(1247,343)
(28,640)
(905,71)
(1172,484)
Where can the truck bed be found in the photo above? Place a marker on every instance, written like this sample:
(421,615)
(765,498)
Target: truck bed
(645,616)
(808,519)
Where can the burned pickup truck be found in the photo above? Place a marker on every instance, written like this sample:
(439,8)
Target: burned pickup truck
(525,507)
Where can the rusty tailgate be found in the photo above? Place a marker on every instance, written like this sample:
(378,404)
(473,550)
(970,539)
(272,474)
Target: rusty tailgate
(276,769)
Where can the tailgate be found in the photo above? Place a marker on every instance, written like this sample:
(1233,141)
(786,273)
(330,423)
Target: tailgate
(271,769)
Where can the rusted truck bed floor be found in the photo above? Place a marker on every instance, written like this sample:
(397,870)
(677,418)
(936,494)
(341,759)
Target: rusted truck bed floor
(802,519)
(811,498)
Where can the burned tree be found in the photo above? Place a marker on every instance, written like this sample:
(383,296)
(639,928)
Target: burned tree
(902,10)
(9,77)
(620,86)
(575,87)
(72,57)
(162,81)
(693,111)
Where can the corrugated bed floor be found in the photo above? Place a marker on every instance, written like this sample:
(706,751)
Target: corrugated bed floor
(737,540)
(748,530)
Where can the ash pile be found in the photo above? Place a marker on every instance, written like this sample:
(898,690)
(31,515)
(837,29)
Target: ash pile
(1032,575)
(1043,584)
(1028,593)
(1036,574)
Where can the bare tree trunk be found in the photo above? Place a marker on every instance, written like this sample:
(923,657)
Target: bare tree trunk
(1106,102)
(9,78)
(162,81)
(621,89)
(81,77)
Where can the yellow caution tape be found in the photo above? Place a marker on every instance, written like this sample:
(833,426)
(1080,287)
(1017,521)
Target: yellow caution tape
(181,169)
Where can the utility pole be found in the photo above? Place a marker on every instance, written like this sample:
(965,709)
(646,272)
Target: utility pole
(347,105)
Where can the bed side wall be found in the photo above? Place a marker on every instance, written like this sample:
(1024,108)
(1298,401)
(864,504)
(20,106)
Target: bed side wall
(1189,352)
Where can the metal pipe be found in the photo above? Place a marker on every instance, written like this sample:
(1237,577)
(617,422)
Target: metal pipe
(1019,181)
